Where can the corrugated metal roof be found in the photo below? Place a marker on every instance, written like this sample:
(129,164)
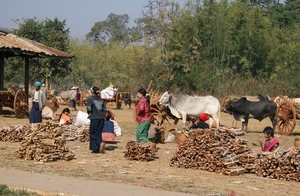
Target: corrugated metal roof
(14,45)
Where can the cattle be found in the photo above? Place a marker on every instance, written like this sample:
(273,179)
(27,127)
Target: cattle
(184,105)
(51,107)
(243,109)
(63,96)
(129,98)
(237,97)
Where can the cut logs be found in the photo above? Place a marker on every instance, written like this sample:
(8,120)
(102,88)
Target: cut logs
(140,151)
(281,165)
(44,142)
(215,151)
(17,133)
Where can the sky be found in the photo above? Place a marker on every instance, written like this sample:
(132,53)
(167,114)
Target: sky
(80,15)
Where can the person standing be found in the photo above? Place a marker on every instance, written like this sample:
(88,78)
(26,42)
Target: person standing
(142,116)
(73,95)
(44,89)
(96,109)
(78,95)
(38,103)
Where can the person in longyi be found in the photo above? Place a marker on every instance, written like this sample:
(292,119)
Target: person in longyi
(143,116)
(38,103)
(96,110)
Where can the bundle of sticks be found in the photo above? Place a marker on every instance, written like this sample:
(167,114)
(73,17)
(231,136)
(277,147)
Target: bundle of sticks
(215,151)
(140,151)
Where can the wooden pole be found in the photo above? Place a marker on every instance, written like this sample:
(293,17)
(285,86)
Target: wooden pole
(27,78)
(1,76)
(149,86)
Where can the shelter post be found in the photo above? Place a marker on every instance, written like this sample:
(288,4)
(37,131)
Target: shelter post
(1,75)
(26,78)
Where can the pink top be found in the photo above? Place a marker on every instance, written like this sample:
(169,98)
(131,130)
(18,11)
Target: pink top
(142,110)
(271,145)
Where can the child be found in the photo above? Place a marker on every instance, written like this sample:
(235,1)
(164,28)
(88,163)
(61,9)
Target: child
(65,118)
(154,131)
(270,143)
(108,134)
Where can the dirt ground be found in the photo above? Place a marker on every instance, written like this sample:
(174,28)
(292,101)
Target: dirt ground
(157,174)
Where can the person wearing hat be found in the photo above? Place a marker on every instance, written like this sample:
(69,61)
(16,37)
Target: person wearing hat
(201,123)
(73,95)
(96,110)
(43,88)
(38,103)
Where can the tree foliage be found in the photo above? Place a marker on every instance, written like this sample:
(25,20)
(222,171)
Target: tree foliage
(52,33)
(203,47)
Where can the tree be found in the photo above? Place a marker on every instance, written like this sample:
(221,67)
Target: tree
(52,33)
(157,23)
(113,29)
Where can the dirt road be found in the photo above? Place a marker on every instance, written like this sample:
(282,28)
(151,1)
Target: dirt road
(100,170)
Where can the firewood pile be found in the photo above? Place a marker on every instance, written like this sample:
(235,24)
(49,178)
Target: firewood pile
(280,164)
(17,133)
(14,133)
(215,151)
(44,143)
(140,151)
(85,134)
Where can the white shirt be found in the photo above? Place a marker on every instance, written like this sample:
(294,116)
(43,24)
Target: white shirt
(36,96)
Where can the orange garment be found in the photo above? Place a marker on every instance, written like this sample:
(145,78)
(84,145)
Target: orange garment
(64,119)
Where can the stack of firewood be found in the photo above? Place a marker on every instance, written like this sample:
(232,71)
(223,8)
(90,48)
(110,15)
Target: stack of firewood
(44,143)
(16,133)
(140,151)
(216,151)
(281,165)
(85,134)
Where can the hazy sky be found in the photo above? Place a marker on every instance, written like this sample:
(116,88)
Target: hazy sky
(80,15)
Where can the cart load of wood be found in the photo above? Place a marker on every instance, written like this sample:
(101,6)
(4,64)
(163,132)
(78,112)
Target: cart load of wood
(140,151)
(44,143)
(215,151)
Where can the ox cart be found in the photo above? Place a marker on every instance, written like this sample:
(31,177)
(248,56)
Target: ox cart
(288,111)
(16,99)
(118,98)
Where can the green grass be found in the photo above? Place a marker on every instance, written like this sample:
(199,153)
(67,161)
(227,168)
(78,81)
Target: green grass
(5,191)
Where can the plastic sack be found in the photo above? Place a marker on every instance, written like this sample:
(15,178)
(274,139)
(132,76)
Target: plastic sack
(82,118)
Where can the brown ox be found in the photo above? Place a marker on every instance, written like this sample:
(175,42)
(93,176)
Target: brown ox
(51,107)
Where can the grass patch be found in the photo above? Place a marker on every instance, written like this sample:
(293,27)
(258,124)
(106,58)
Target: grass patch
(5,191)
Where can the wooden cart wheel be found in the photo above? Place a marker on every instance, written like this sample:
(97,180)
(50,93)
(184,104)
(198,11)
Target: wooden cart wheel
(118,100)
(285,117)
(20,104)
(163,117)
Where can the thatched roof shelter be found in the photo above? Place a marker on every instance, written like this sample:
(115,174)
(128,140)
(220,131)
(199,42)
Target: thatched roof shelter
(12,45)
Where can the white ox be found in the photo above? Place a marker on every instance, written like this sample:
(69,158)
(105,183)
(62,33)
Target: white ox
(183,105)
